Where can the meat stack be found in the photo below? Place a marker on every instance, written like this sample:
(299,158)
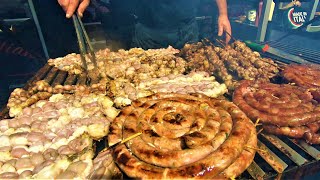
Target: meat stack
(135,64)
(183,136)
(124,92)
(41,90)
(54,138)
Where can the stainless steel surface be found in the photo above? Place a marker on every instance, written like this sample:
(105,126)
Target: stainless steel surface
(308,149)
(271,158)
(92,23)
(307,54)
(311,28)
(16,20)
(263,23)
(285,55)
(255,171)
(81,43)
(87,40)
(285,149)
(282,156)
(84,43)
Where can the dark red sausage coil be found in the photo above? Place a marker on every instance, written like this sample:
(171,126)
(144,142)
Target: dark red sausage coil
(307,76)
(183,136)
(283,109)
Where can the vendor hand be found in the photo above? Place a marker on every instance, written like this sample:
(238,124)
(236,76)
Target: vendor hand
(224,26)
(70,6)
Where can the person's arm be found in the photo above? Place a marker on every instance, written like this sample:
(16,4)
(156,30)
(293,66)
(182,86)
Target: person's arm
(223,20)
(70,6)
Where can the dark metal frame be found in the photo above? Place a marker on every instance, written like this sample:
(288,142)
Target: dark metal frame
(311,28)
(36,22)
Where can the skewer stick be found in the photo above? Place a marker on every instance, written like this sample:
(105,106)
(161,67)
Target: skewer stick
(204,42)
(123,141)
(220,42)
(257,149)
(260,131)
(281,66)
(275,65)
(279,177)
(223,43)
(280,63)
(209,42)
(131,137)
(257,121)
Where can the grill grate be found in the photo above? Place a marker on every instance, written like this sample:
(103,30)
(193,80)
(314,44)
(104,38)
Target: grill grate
(306,54)
(277,155)
(281,156)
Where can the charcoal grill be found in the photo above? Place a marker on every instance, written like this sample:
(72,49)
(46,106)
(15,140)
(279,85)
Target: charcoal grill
(277,157)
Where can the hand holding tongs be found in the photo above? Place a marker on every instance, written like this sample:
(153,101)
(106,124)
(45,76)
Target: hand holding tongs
(83,42)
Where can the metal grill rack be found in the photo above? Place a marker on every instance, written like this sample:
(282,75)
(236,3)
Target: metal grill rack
(306,54)
(276,157)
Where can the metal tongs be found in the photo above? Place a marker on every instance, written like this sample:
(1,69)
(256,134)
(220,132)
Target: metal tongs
(84,43)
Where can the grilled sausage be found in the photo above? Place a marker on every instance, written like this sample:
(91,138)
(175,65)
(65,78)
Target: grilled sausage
(306,76)
(139,158)
(272,113)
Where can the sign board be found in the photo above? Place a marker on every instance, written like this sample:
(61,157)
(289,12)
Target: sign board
(295,17)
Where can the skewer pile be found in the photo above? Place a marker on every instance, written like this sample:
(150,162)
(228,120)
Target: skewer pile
(230,64)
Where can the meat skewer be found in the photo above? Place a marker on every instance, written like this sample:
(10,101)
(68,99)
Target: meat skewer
(229,64)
